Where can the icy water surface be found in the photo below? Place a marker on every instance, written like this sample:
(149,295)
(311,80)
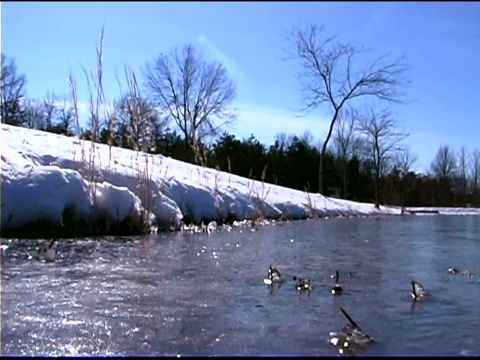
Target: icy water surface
(203,294)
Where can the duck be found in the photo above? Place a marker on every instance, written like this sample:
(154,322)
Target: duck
(48,252)
(467,273)
(418,291)
(337,289)
(302,284)
(273,276)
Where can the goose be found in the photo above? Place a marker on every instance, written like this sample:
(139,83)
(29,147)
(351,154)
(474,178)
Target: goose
(48,252)
(418,291)
(352,338)
(302,284)
(453,270)
(273,276)
(337,289)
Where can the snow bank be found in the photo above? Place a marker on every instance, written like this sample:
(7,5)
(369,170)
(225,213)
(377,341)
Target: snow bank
(53,178)
(42,193)
(61,198)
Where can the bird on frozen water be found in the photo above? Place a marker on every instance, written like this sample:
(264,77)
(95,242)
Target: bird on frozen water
(418,291)
(302,284)
(337,289)
(351,339)
(453,270)
(273,276)
(48,253)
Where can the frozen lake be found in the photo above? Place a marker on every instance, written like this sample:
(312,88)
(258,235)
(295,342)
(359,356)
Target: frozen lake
(203,294)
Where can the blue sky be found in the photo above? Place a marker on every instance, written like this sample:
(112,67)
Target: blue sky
(441,42)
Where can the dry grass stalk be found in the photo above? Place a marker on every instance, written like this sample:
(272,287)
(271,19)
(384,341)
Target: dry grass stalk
(96,106)
(229,170)
(144,169)
(310,203)
(260,196)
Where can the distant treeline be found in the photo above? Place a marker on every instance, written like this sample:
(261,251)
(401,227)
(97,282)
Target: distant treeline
(292,162)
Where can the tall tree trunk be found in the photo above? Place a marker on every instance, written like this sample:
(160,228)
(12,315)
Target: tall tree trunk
(377,189)
(324,150)
(475,201)
(320,174)
(187,149)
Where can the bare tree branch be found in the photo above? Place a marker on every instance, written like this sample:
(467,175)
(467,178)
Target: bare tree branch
(475,171)
(404,160)
(192,92)
(463,165)
(12,91)
(136,116)
(345,142)
(383,140)
(33,114)
(328,77)
(444,167)
(65,117)
(49,110)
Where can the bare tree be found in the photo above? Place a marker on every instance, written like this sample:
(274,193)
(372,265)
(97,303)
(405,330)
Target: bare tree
(137,117)
(49,110)
(306,137)
(281,141)
(463,164)
(47,114)
(345,142)
(12,89)
(475,172)
(328,76)
(382,140)
(33,114)
(404,160)
(65,118)
(192,92)
(444,164)
(444,167)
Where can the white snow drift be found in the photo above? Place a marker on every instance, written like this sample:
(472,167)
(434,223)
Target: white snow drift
(45,176)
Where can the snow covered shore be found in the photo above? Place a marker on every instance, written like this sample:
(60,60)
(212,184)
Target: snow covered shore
(56,182)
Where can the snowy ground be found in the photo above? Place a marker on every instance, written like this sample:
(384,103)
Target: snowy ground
(65,182)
